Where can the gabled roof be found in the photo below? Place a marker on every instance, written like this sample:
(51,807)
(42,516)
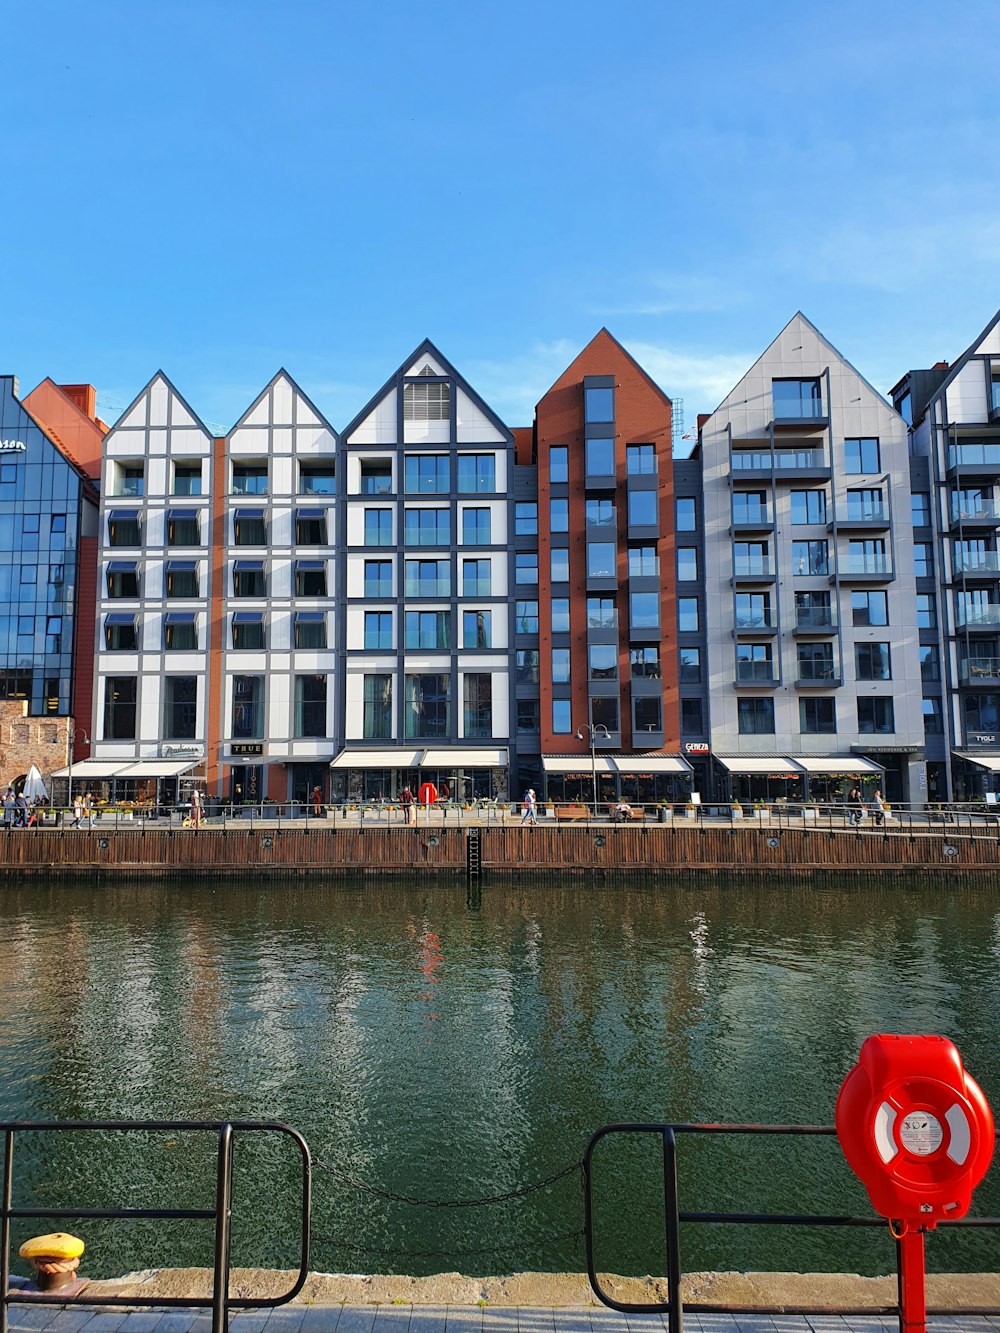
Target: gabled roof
(963,360)
(427,348)
(604,335)
(282,374)
(172,389)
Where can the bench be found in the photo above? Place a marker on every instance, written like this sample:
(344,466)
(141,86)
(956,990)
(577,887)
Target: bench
(618,817)
(572,812)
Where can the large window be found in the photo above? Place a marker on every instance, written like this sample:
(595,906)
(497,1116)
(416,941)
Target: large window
(130,480)
(249,478)
(647,713)
(526,518)
(756,716)
(751,507)
(601,560)
(562,720)
(477,629)
(123,579)
(376,476)
(248,579)
(477,473)
(866,505)
(378,527)
(559,515)
(808,507)
(923,560)
(602,661)
(120,633)
(689,665)
(559,564)
(817,717)
(640,460)
(248,708)
(931,710)
(526,666)
(528,717)
(476,577)
(426,474)
(310,578)
(753,610)
(692,717)
(643,509)
(427,578)
(811,557)
(182,528)
(926,610)
(476,526)
(187,479)
(644,610)
(525,617)
(427,527)
(600,455)
(180,579)
(599,405)
(310,629)
(310,706)
(861,455)
(604,713)
(751,558)
(754,664)
(123,527)
(816,663)
(643,561)
(180,632)
(119,708)
(872,661)
(687,615)
(310,527)
(599,513)
(249,528)
(378,706)
(686,513)
(920,509)
(982,712)
(427,706)
(378,578)
(558,463)
(477,705)
(526,567)
(180,707)
(248,631)
(560,666)
(427,402)
(869,608)
(560,615)
(378,630)
(797,399)
(875,715)
(430,630)
(319,478)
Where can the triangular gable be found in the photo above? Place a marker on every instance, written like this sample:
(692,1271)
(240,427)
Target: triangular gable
(990,334)
(282,403)
(603,335)
(156,405)
(20,427)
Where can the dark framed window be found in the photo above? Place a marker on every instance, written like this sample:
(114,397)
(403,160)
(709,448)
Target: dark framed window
(187,479)
(558,463)
(476,526)
(560,615)
(427,705)
(861,455)
(248,708)
(319,478)
(643,509)
(477,705)
(920,509)
(526,617)
(598,513)
(180,579)
(180,707)
(562,721)
(123,579)
(817,717)
(378,578)
(873,661)
(560,666)
(249,478)
(604,713)
(119,708)
(376,476)
(689,665)
(687,615)
(644,661)
(931,710)
(692,717)
(686,513)
(926,610)
(930,663)
(599,405)
(377,723)
(477,473)
(751,507)
(756,716)
(600,456)
(525,518)
(249,528)
(602,661)
(310,706)
(559,564)
(180,632)
(429,578)
(923,560)
(526,567)
(120,633)
(310,578)
(477,577)
(526,666)
(130,479)
(477,629)
(869,608)
(643,562)
(559,514)
(310,629)
(810,557)
(429,630)
(808,507)
(427,527)
(378,527)
(248,579)
(426,474)
(123,527)
(647,713)
(875,716)
(182,528)
(602,560)
(528,717)
(798,399)
(982,712)
(687,563)
(248,631)
(640,460)
(310,527)
(378,630)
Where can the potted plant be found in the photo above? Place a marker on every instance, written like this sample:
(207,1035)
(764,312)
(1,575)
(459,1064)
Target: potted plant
(810,812)
(690,810)
(736,810)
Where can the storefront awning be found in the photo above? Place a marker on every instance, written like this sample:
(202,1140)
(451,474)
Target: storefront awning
(650,763)
(985,759)
(577,763)
(770,765)
(464,759)
(836,766)
(92,768)
(157,768)
(403,756)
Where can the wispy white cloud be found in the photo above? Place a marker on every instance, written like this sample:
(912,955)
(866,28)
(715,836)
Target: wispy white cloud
(701,380)
(513,387)
(675,294)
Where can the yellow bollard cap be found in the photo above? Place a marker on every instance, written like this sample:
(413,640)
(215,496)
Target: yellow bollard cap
(59,1245)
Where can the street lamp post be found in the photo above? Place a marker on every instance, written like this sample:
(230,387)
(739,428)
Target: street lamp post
(71,738)
(592,733)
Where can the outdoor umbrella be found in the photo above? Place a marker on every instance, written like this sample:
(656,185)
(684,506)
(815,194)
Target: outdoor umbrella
(34,786)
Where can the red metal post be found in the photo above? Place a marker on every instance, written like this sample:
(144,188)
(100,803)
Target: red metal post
(912,1282)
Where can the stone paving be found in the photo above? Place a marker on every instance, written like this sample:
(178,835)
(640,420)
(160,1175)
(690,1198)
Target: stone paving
(452,1319)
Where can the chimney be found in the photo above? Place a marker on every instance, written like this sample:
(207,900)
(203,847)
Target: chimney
(85,397)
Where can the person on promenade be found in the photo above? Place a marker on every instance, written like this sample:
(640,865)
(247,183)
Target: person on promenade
(20,810)
(409,809)
(8,807)
(317,801)
(88,808)
(77,811)
(878,808)
(530,809)
(196,808)
(855,805)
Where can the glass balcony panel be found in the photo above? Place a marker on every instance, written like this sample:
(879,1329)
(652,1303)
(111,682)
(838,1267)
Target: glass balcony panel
(977,562)
(761,673)
(816,672)
(749,620)
(427,587)
(976,455)
(753,566)
(859,512)
(980,668)
(978,615)
(815,617)
(866,564)
(984,510)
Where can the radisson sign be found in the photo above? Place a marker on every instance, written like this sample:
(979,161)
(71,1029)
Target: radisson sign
(12,446)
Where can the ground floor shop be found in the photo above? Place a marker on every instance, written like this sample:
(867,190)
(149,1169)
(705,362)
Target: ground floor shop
(798,779)
(463,775)
(140,784)
(607,779)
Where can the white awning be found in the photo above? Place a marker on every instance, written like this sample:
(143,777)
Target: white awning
(836,766)
(92,768)
(775,765)
(985,759)
(404,756)
(464,759)
(650,763)
(577,763)
(157,768)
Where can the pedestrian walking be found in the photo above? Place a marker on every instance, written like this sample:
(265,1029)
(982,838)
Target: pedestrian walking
(197,811)
(855,805)
(88,808)
(530,808)
(77,811)
(317,801)
(20,810)
(8,807)
(878,808)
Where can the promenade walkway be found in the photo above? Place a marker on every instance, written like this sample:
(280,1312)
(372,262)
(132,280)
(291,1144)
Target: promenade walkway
(454,1319)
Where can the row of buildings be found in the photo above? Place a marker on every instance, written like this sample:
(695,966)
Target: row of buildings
(431,595)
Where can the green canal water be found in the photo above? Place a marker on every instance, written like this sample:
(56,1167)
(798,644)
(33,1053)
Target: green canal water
(431,1050)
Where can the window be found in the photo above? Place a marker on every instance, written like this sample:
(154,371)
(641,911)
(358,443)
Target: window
(905,408)
(810,557)
(599,514)
(187,479)
(643,561)
(248,527)
(310,578)
(119,708)
(180,579)
(982,713)
(754,663)
(867,556)
(600,613)
(57,526)
(797,399)
(123,579)
(640,460)
(310,629)
(558,463)
(53,634)
(601,560)
(559,515)
(687,615)
(562,723)
(180,707)
(559,564)
(130,479)
(872,661)
(751,558)
(123,527)
(249,478)
(926,610)
(378,706)
(869,608)
(817,717)
(427,527)
(376,476)
(477,629)
(182,528)
(604,713)
(931,709)
(318,478)
(248,631)
(643,509)
(180,633)
(526,519)
(875,716)
(526,617)
(476,577)
(975,502)
(427,706)
(866,505)
(310,706)
(528,717)
(426,402)
(560,615)
(750,507)
(428,577)
(476,527)
(816,664)
(378,578)
(808,507)
(644,662)
(426,474)
(689,664)
(923,560)
(378,527)
(477,473)
(600,454)
(687,514)
(310,527)
(752,610)
(248,708)
(647,713)
(526,666)
(930,665)
(861,455)
(599,405)
(378,630)
(920,509)
(756,716)
(692,719)
(429,630)
(560,666)
(526,567)
(602,661)
(644,610)
(477,705)
(248,579)
(120,633)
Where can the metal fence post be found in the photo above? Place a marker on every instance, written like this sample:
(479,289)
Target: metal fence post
(8,1179)
(675,1315)
(223,1219)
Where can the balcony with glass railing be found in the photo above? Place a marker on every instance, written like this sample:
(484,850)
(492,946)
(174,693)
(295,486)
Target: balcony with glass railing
(981,455)
(974,670)
(753,567)
(815,618)
(978,616)
(868,514)
(757,672)
(982,511)
(413,587)
(755,622)
(817,671)
(760,462)
(985,563)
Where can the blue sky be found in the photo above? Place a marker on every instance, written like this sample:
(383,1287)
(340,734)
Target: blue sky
(223,187)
